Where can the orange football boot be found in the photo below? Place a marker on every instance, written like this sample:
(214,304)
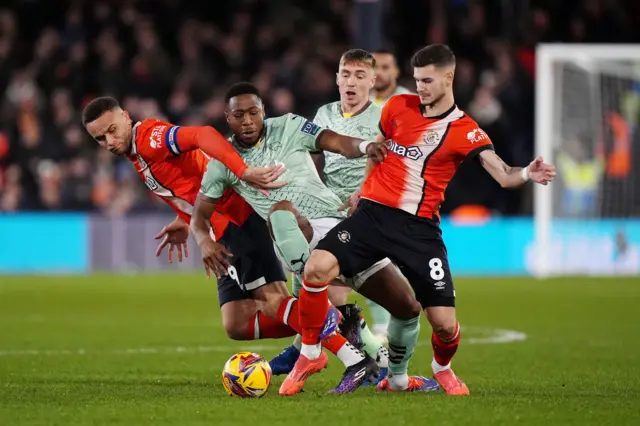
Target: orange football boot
(304,367)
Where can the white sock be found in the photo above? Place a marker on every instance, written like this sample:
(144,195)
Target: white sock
(398,381)
(438,368)
(297,342)
(382,357)
(349,355)
(311,351)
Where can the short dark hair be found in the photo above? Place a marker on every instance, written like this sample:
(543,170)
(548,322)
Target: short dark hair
(359,56)
(242,88)
(97,107)
(436,54)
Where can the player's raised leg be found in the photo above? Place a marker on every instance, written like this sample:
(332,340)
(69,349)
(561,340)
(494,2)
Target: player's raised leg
(316,326)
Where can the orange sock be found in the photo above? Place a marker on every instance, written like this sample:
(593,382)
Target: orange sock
(445,349)
(288,313)
(313,306)
(262,327)
(334,343)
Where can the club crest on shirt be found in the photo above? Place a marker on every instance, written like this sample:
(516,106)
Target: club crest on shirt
(431,138)
(344,236)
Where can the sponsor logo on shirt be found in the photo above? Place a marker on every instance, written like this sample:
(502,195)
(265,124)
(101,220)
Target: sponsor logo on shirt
(410,152)
(155,140)
(476,135)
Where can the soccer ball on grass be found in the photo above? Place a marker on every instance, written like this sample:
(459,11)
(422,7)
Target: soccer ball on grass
(246,375)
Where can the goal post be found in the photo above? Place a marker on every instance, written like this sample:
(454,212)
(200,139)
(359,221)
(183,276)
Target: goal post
(587,222)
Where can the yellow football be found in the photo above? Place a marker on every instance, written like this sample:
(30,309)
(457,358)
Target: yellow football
(246,375)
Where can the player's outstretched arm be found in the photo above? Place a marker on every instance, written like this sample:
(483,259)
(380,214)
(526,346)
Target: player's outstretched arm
(212,143)
(174,235)
(513,177)
(351,147)
(213,253)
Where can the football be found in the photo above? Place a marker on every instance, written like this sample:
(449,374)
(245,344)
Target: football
(246,375)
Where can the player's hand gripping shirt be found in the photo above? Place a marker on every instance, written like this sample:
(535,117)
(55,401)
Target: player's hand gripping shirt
(171,165)
(424,154)
(344,175)
(286,140)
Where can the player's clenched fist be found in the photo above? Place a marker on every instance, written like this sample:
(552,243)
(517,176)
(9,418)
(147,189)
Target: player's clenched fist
(377,151)
(214,256)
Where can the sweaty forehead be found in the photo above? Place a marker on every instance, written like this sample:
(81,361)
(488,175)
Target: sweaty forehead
(244,102)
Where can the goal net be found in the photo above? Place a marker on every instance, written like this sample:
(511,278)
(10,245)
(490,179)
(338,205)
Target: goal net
(587,222)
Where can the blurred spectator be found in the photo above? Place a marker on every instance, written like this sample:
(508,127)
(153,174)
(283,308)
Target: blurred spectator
(173,60)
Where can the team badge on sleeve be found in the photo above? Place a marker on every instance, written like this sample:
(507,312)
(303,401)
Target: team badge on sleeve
(310,128)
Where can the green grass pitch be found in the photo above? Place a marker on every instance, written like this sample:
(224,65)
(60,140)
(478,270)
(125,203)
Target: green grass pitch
(136,350)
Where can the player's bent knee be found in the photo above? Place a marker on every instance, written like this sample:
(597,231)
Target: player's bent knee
(412,309)
(270,296)
(405,309)
(235,330)
(322,267)
(443,321)
(236,316)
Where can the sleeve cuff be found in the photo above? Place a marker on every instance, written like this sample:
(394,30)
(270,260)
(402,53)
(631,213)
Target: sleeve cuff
(474,152)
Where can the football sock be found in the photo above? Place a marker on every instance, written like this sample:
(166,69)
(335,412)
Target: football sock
(403,336)
(290,240)
(313,306)
(398,381)
(296,285)
(336,344)
(380,317)
(371,344)
(288,313)
(444,349)
(262,327)
(344,350)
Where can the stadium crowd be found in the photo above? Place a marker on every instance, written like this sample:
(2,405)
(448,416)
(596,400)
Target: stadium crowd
(174,59)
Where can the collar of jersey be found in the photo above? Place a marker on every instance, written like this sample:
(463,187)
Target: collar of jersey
(353,114)
(257,144)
